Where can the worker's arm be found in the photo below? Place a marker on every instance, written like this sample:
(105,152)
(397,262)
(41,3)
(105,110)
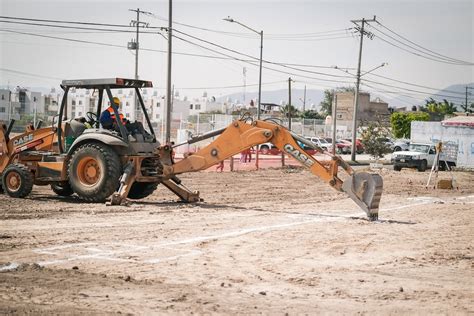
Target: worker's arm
(106,120)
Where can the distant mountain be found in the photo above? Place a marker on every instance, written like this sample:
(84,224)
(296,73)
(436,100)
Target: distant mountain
(456,94)
(313,97)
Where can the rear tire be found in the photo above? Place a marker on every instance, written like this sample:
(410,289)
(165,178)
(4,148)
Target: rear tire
(140,190)
(94,172)
(62,189)
(422,167)
(17,180)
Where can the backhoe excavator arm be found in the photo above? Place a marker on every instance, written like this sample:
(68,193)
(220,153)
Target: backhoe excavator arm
(364,188)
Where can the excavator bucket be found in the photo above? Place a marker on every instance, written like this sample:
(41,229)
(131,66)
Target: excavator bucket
(366,190)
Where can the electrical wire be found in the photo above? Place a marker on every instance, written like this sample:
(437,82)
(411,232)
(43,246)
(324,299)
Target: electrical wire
(406,39)
(410,90)
(75,27)
(416,85)
(255,58)
(113,45)
(71,22)
(420,53)
(254,64)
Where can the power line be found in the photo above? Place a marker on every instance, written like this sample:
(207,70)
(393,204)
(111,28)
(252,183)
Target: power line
(406,39)
(252,57)
(113,45)
(252,63)
(230,87)
(72,22)
(416,85)
(420,53)
(411,90)
(246,35)
(72,27)
(29,74)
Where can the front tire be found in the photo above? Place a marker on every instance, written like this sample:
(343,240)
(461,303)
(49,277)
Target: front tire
(140,190)
(17,180)
(94,172)
(422,166)
(397,168)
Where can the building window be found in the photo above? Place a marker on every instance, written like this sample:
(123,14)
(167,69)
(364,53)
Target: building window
(197,107)
(3,97)
(127,104)
(2,110)
(157,104)
(339,116)
(34,99)
(73,102)
(157,116)
(79,114)
(80,102)
(127,115)
(190,106)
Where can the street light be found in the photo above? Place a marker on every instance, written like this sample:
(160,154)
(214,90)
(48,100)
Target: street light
(229,19)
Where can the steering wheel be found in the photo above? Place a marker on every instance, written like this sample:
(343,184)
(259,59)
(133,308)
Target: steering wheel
(91,117)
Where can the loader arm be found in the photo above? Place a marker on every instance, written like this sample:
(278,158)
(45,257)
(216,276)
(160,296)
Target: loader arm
(364,188)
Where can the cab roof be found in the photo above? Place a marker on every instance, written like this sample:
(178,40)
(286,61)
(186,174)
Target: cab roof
(111,83)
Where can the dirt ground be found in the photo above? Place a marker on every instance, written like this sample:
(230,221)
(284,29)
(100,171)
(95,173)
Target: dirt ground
(269,241)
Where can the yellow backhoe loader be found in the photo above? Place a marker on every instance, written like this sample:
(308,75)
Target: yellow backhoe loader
(79,156)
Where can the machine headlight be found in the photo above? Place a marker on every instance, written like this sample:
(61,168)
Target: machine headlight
(416,157)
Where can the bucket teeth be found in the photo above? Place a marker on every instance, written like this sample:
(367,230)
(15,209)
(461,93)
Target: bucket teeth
(365,189)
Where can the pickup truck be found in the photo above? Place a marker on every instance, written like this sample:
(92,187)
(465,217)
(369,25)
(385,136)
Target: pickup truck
(420,156)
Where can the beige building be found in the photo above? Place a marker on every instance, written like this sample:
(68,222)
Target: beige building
(368,110)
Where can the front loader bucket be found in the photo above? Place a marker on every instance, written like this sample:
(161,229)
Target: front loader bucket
(366,190)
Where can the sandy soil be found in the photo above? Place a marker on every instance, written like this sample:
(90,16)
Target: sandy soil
(271,242)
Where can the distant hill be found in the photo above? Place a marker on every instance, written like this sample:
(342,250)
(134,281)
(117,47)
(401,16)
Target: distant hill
(458,93)
(313,97)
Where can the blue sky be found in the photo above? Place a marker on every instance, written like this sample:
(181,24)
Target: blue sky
(295,32)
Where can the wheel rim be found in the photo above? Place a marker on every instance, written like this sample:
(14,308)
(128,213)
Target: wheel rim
(88,171)
(13,181)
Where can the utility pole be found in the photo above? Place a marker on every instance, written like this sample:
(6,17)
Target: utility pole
(289,103)
(334,114)
(356,96)
(168,87)
(135,46)
(244,72)
(467,93)
(304,99)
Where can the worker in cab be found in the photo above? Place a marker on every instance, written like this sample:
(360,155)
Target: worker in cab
(108,119)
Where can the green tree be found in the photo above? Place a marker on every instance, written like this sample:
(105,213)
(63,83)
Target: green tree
(467,108)
(401,122)
(311,114)
(289,109)
(373,137)
(326,104)
(439,108)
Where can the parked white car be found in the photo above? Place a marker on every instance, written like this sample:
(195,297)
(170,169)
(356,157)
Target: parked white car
(320,142)
(420,156)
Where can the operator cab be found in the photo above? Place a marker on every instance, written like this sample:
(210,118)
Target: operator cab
(79,118)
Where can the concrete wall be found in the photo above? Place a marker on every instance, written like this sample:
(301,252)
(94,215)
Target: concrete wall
(434,132)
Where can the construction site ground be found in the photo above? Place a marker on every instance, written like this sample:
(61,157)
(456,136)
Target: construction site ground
(270,241)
